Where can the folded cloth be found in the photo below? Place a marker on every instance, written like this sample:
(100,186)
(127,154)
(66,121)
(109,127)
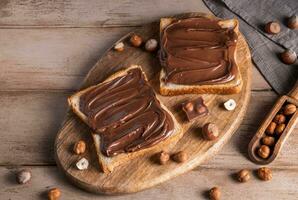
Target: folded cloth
(265,48)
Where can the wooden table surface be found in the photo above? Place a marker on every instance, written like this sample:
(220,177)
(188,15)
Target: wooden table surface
(46,49)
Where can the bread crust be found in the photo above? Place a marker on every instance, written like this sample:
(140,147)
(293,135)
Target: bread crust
(231,87)
(107,164)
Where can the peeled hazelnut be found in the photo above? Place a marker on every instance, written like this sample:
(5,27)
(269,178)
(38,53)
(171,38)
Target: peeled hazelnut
(82,164)
(272,28)
(151,45)
(293,22)
(119,46)
(288,57)
(230,104)
(243,175)
(265,174)
(189,106)
(23,176)
(201,109)
(280,128)
(264,151)
(79,147)
(214,193)
(54,194)
(290,109)
(279,119)
(210,131)
(269,141)
(163,157)
(135,40)
(271,128)
(180,157)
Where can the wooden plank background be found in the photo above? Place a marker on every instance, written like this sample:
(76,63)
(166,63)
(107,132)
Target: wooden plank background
(46,49)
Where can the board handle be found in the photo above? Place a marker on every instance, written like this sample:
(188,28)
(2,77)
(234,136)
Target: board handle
(294,92)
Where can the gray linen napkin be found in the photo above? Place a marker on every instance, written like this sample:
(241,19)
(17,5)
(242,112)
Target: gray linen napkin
(265,48)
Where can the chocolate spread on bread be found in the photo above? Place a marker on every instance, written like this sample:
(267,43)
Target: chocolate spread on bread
(126,114)
(197,51)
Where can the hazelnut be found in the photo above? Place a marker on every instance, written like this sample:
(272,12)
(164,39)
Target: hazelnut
(230,104)
(293,22)
(82,164)
(54,194)
(189,107)
(279,119)
(280,128)
(265,174)
(79,147)
(151,45)
(210,131)
(163,157)
(290,109)
(243,175)
(180,157)
(119,46)
(272,28)
(264,151)
(288,57)
(271,128)
(269,141)
(214,193)
(23,176)
(135,40)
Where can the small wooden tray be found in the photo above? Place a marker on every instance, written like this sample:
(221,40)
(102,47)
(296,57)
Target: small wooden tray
(143,173)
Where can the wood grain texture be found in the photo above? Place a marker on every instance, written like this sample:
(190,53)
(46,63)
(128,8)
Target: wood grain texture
(142,173)
(90,13)
(191,186)
(54,61)
(40,119)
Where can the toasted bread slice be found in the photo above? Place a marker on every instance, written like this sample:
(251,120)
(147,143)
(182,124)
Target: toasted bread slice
(107,164)
(231,87)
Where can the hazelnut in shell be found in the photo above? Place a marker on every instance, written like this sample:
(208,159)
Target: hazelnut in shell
(136,40)
(79,147)
(243,175)
(210,131)
(265,174)
(271,128)
(151,45)
(180,157)
(23,176)
(280,128)
(288,57)
(214,193)
(293,22)
(163,158)
(264,151)
(54,194)
(279,119)
(290,109)
(269,141)
(272,28)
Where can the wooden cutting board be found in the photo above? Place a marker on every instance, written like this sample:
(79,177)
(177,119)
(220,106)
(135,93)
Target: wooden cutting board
(143,172)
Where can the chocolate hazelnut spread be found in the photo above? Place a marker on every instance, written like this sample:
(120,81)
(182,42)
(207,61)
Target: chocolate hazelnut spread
(126,114)
(198,51)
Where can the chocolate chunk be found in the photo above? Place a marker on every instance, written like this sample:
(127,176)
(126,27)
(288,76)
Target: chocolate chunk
(195,108)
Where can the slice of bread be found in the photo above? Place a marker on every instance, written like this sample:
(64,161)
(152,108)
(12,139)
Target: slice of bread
(107,164)
(231,87)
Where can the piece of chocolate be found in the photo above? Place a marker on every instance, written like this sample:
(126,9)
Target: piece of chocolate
(195,108)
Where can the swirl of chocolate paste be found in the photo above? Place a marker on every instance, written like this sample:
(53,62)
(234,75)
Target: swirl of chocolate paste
(126,114)
(198,51)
